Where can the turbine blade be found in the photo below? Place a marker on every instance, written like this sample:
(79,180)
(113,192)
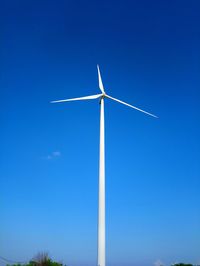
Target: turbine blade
(100,80)
(91,97)
(114,99)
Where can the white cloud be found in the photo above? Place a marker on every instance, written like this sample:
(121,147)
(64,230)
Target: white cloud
(56,153)
(158,262)
(52,155)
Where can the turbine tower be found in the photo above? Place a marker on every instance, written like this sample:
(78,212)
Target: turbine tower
(101,201)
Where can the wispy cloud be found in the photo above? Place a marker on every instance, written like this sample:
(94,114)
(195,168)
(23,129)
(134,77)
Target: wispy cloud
(52,155)
(56,153)
(158,262)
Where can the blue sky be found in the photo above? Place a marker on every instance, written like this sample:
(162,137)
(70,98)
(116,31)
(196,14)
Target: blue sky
(149,56)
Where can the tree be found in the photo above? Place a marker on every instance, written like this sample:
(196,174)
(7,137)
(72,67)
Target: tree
(41,259)
(182,264)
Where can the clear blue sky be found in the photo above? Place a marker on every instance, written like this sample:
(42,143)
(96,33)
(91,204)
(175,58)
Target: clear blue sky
(149,55)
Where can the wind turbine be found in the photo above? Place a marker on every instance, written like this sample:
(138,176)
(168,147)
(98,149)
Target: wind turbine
(101,202)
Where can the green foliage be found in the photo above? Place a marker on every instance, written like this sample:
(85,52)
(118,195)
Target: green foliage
(182,264)
(41,259)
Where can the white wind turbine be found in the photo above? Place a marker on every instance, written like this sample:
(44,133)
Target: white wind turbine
(101,203)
